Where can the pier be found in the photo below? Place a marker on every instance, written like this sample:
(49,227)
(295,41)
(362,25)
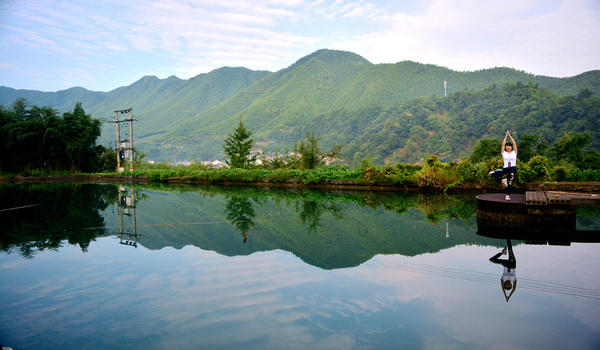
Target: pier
(548,216)
(551,203)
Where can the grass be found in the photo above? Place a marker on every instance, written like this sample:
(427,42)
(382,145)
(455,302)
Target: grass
(432,175)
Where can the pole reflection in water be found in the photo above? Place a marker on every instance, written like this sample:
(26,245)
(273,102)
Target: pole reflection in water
(127,218)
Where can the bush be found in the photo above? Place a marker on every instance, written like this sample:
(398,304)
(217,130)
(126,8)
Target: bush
(281,175)
(560,173)
(399,175)
(539,166)
(469,172)
(329,173)
(584,175)
(434,174)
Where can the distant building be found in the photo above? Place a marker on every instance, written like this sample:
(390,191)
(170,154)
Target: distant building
(215,164)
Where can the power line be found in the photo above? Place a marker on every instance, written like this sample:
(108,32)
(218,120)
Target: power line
(23,207)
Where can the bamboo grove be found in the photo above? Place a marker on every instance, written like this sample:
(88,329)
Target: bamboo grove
(38,139)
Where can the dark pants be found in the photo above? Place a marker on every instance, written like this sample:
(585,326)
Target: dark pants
(512,174)
(511,262)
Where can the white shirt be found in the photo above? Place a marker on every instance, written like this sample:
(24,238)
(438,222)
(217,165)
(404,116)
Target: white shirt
(510,159)
(509,275)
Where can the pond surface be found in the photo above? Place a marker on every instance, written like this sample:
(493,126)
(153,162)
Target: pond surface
(103,266)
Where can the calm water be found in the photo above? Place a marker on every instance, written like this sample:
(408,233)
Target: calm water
(94,267)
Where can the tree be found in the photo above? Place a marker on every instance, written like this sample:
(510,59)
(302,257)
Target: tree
(310,152)
(570,147)
(238,146)
(38,138)
(485,149)
(591,160)
(530,146)
(81,132)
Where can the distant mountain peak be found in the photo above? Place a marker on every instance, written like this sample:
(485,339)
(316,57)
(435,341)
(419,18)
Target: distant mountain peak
(333,57)
(149,78)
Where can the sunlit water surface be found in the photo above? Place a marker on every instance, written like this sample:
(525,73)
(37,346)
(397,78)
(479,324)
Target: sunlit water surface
(213,268)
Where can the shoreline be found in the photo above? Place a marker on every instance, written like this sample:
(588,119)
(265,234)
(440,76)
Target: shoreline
(292,183)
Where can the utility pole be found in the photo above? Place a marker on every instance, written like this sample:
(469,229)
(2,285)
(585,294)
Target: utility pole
(124,148)
(445,84)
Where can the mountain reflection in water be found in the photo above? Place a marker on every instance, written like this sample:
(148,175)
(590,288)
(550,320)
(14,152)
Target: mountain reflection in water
(97,266)
(325,229)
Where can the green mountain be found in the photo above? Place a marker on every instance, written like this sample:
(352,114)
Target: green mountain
(158,104)
(281,106)
(339,95)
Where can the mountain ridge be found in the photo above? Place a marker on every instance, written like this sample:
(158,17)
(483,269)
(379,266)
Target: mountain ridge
(198,112)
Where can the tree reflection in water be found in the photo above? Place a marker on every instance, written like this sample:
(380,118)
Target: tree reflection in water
(52,214)
(310,213)
(240,213)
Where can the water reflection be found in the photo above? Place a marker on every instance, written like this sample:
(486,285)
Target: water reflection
(128,234)
(509,277)
(240,213)
(317,270)
(43,217)
(311,211)
(584,230)
(326,229)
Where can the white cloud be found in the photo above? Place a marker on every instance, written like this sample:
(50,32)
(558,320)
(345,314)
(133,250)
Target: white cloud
(186,37)
(470,35)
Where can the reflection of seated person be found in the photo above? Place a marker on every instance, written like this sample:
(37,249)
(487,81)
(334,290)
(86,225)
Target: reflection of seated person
(509,277)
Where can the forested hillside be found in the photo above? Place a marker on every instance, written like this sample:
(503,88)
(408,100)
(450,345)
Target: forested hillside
(445,126)
(396,111)
(449,127)
(158,104)
(323,86)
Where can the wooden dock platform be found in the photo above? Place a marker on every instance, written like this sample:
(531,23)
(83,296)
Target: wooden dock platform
(538,198)
(544,208)
(559,197)
(548,216)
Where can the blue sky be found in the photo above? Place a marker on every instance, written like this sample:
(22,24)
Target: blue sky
(52,45)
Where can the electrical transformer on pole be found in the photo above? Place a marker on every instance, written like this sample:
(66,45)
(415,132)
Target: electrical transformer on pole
(124,147)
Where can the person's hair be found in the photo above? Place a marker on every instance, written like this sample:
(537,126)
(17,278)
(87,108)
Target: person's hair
(507,285)
(508,144)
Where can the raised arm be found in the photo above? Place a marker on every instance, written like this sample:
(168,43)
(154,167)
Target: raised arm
(503,143)
(513,142)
